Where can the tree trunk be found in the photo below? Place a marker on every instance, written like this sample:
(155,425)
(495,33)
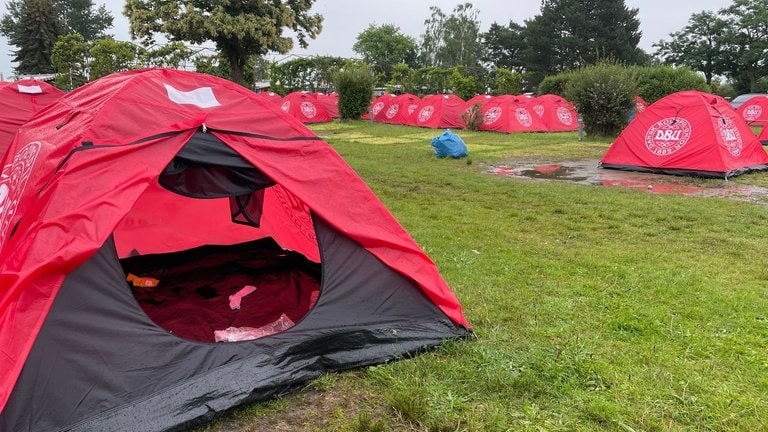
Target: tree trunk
(236,67)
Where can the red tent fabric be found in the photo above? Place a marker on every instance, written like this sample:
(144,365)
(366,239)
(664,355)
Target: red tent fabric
(305,108)
(19,101)
(510,114)
(401,109)
(86,170)
(439,111)
(380,107)
(687,133)
(557,113)
(481,99)
(273,97)
(755,110)
(330,101)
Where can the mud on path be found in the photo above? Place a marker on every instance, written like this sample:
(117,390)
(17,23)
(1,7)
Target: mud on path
(587,172)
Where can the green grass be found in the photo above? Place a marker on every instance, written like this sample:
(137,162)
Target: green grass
(595,309)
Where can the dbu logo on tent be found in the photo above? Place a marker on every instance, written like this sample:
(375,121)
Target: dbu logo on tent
(731,136)
(667,136)
(752,112)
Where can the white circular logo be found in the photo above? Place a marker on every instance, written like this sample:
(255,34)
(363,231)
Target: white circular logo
(412,108)
(308,109)
(377,107)
(286,106)
(426,113)
(752,112)
(523,117)
(667,136)
(731,136)
(13,181)
(392,111)
(539,110)
(492,115)
(565,116)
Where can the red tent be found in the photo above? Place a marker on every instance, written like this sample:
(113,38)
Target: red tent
(19,101)
(557,113)
(330,101)
(439,111)
(687,133)
(380,106)
(481,99)
(139,207)
(305,108)
(273,97)
(511,114)
(755,110)
(401,108)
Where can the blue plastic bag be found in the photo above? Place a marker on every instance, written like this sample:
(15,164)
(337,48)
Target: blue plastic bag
(449,144)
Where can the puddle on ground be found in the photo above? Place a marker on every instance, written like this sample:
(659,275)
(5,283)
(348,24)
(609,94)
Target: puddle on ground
(587,172)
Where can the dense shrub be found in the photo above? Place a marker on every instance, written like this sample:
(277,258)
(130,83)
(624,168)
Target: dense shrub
(503,81)
(602,94)
(655,82)
(354,84)
(473,117)
(555,84)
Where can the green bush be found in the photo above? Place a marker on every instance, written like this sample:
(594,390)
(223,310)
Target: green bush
(354,83)
(473,117)
(603,94)
(655,82)
(554,84)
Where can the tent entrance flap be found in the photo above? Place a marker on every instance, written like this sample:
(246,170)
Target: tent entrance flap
(196,289)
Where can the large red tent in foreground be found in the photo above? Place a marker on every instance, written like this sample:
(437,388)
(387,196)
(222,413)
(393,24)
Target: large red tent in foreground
(687,133)
(149,213)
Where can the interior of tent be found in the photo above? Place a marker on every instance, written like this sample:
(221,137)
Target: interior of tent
(204,280)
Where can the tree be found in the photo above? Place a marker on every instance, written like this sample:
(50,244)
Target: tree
(109,56)
(79,16)
(70,58)
(452,40)
(240,30)
(502,46)
(33,27)
(355,84)
(699,45)
(569,34)
(745,41)
(384,46)
(304,73)
(602,94)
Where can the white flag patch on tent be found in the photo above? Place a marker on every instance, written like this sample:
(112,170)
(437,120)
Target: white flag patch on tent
(202,97)
(33,89)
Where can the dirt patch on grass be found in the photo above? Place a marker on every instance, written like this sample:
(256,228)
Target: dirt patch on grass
(338,408)
(587,172)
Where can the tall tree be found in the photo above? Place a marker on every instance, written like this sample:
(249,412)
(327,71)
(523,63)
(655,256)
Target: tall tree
(573,33)
(384,46)
(239,30)
(503,46)
(745,42)
(699,45)
(81,16)
(33,27)
(452,40)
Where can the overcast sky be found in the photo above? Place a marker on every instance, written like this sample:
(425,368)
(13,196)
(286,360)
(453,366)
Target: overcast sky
(345,19)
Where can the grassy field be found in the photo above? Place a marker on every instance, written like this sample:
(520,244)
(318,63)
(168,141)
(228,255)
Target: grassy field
(595,308)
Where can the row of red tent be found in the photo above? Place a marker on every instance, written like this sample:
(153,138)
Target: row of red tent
(505,113)
(718,137)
